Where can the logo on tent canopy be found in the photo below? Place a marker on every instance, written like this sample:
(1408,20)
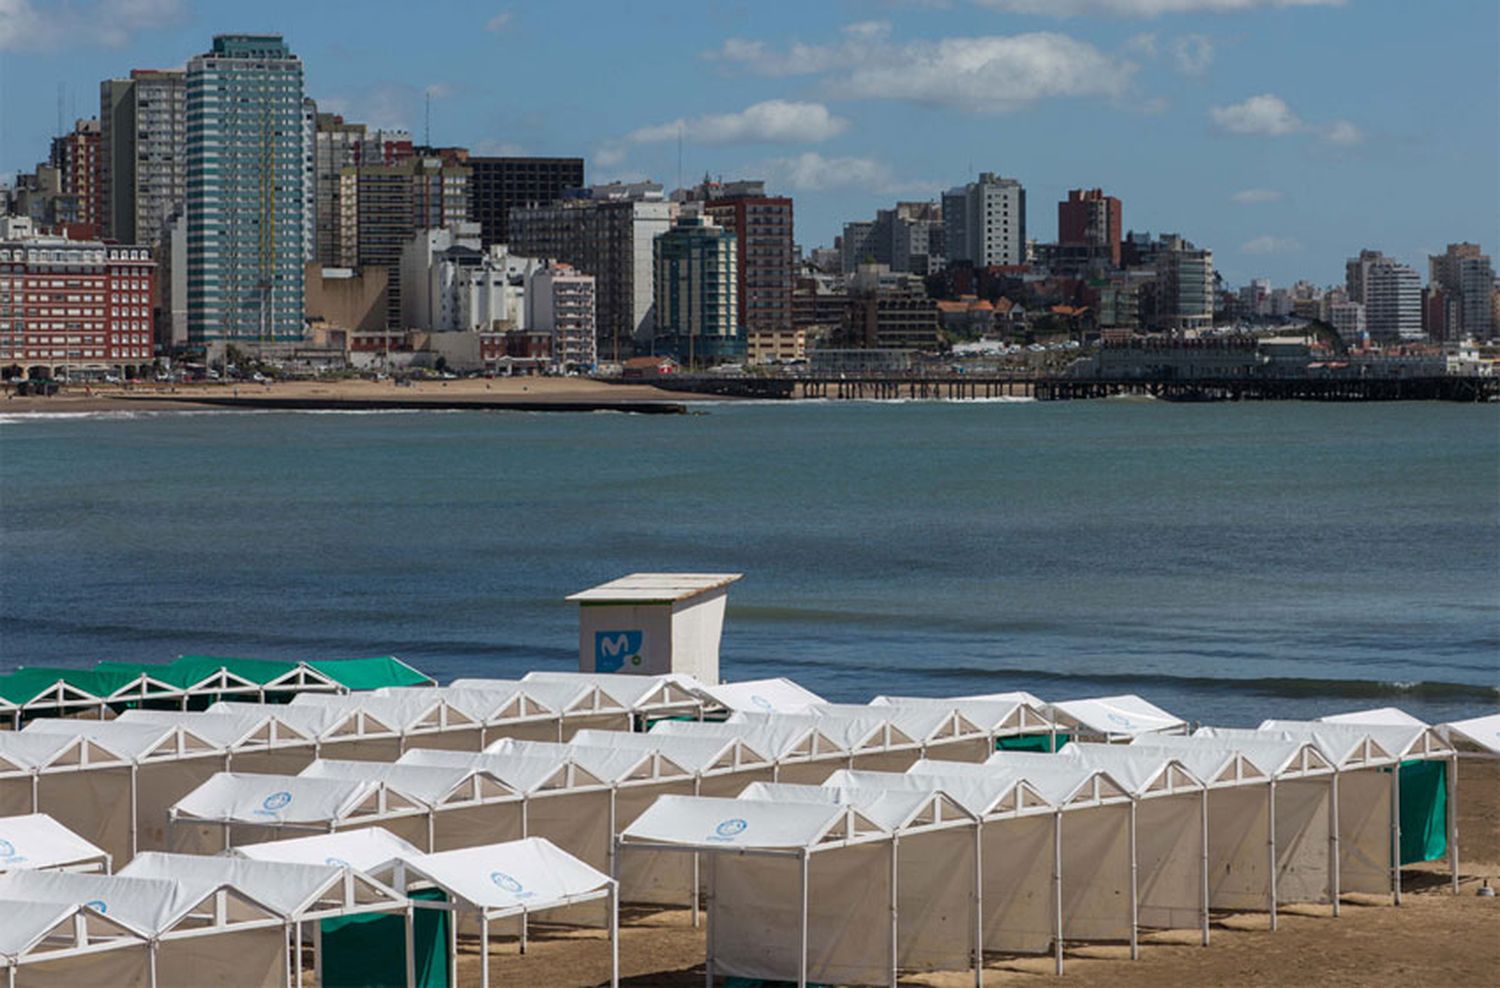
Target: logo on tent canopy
(509,884)
(8,853)
(276,801)
(1123,721)
(337,862)
(98,905)
(757,700)
(730,829)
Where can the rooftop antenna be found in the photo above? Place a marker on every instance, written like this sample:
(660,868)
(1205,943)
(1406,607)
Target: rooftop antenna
(679,154)
(60,90)
(427,122)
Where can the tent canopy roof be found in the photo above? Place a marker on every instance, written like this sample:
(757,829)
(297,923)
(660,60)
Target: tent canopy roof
(999,716)
(524,875)
(1062,782)
(697,754)
(981,794)
(892,809)
(779,738)
(288,889)
(26,924)
(1389,716)
(371,673)
(1481,731)
(233,797)
(569,696)
(313,720)
(362,849)
(779,695)
(261,672)
(430,785)
(144,905)
(1126,715)
(25,751)
(639,694)
(609,764)
(712,823)
(851,728)
(35,840)
(226,730)
(1240,759)
(498,702)
(1143,771)
(137,741)
(523,774)
(1399,740)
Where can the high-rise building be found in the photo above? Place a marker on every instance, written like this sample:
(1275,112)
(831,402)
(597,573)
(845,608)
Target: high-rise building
(1088,221)
(143,145)
(607,231)
(76,157)
(384,206)
(560,301)
(1185,285)
(500,184)
(1348,320)
(985,222)
(245,202)
(1467,276)
(339,145)
(857,245)
(762,226)
(1393,302)
(888,310)
(696,295)
(1357,274)
(74,305)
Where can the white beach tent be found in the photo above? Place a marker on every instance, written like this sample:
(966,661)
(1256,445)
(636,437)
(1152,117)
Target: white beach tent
(935,730)
(167,761)
(502,709)
(648,698)
(934,922)
(1240,774)
(252,740)
(77,781)
(800,750)
(231,809)
(869,737)
(797,891)
(1000,716)
(578,702)
(1077,863)
(778,695)
(1481,735)
(457,797)
(361,849)
(219,889)
(35,840)
(1114,718)
(45,944)
(404,718)
(511,880)
(722,765)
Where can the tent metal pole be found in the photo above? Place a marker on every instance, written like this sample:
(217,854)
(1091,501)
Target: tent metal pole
(484,949)
(135,825)
(411,937)
(1396,833)
(895,931)
(431,831)
(1453,819)
(708,921)
(1057,903)
(1135,891)
(1335,862)
(524,924)
(286,953)
(614,936)
(317,945)
(802,857)
(451,915)
(1271,850)
(150,960)
(1203,844)
(297,952)
(697,791)
(36,778)
(979,904)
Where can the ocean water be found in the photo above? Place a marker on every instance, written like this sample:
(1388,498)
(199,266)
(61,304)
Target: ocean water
(1229,562)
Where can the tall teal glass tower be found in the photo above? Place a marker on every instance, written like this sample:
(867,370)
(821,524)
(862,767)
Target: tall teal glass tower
(245,202)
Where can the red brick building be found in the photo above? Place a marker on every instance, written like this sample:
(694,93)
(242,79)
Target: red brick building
(74,305)
(78,158)
(762,225)
(1090,219)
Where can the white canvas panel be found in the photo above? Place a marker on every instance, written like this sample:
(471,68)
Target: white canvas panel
(810,773)
(413,829)
(273,799)
(471,826)
(655,877)
(128,967)
(381,749)
(1239,872)
(1169,861)
(239,959)
(272,761)
(886,761)
(935,900)
(1388,716)
(1365,831)
(777,695)
(529,874)
(145,905)
(577,822)
(757,915)
(1483,732)
(278,885)
(360,849)
(94,804)
(1096,874)
(465,738)
(1126,715)
(1017,860)
(23,923)
(731,784)
(15,796)
(159,785)
(35,840)
(602,721)
(733,823)
(1302,840)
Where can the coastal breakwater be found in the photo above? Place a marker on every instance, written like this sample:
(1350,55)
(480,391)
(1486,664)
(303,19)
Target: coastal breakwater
(273,402)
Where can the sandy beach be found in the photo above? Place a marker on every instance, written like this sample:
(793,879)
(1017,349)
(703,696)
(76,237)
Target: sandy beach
(503,391)
(1433,938)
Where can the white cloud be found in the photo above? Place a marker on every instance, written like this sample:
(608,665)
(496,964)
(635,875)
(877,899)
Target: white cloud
(988,74)
(771,122)
(1267,244)
(1193,53)
(1255,197)
(74,23)
(1266,115)
(811,172)
(609,156)
(437,90)
(1142,8)
(499,22)
(1142,44)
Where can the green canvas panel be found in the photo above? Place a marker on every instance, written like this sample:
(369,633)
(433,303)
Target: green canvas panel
(259,671)
(1424,811)
(1030,742)
(35,680)
(160,673)
(370,951)
(372,673)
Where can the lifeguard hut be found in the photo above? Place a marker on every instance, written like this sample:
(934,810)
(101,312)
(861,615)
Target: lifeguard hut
(654,623)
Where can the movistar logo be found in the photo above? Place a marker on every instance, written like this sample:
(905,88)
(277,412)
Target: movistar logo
(613,650)
(1123,721)
(8,853)
(98,905)
(276,801)
(336,862)
(729,829)
(756,700)
(509,884)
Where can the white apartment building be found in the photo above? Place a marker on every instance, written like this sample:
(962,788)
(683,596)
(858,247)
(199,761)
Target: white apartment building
(1393,302)
(450,284)
(560,301)
(985,221)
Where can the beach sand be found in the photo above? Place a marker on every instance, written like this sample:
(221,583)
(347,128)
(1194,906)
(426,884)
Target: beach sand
(526,390)
(1433,938)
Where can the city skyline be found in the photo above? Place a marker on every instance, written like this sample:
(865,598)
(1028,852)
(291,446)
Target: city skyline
(1290,145)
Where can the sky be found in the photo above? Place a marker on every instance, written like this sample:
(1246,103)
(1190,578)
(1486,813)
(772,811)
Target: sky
(1285,135)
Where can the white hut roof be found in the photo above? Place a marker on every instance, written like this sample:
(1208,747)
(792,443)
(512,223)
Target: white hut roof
(432,785)
(739,824)
(22,751)
(26,924)
(144,905)
(851,728)
(1244,757)
(524,774)
(609,764)
(981,794)
(313,720)
(640,694)
(1126,715)
(1387,716)
(227,730)
(1481,731)
(1401,740)
(531,874)
(35,840)
(891,809)
(287,889)
(1061,782)
(361,849)
(1142,771)
(994,716)
(286,799)
(779,738)
(778,695)
(135,741)
(695,753)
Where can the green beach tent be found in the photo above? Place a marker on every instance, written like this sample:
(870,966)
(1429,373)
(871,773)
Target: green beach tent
(371,673)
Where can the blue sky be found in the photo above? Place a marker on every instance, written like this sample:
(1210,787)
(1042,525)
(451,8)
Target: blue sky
(1284,134)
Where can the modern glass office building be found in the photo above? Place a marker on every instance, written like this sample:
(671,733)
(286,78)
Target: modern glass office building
(245,196)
